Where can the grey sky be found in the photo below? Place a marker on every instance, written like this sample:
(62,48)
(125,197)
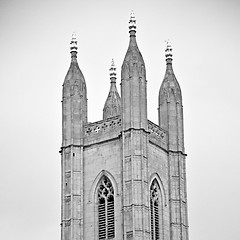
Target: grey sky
(34,59)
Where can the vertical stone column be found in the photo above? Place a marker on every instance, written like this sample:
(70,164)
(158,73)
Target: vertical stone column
(178,198)
(74,117)
(171,118)
(72,168)
(71,197)
(135,185)
(135,142)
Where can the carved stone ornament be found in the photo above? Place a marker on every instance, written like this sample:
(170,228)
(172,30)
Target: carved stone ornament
(154,192)
(105,190)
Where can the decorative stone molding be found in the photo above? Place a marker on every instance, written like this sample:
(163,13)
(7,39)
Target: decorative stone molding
(67,174)
(67,199)
(156,130)
(67,223)
(158,135)
(129,235)
(103,126)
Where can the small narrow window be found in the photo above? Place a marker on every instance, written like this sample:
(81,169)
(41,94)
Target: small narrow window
(106,227)
(73,154)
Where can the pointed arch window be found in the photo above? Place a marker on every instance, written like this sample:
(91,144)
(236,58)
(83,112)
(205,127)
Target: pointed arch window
(155,207)
(106,228)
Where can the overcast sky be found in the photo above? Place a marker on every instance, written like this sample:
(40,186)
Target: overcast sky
(34,59)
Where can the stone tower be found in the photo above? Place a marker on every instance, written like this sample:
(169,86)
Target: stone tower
(123,177)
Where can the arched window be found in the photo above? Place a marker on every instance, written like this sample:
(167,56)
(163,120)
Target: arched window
(106,228)
(155,206)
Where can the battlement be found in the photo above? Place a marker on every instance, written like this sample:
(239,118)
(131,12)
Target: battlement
(103,126)
(112,127)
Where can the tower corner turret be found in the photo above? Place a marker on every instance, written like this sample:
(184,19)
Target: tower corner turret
(170,109)
(134,84)
(74,100)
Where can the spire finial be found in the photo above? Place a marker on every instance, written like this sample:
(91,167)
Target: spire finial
(168,52)
(112,71)
(73,44)
(132,24)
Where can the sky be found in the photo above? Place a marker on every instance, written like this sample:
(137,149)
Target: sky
(34,59)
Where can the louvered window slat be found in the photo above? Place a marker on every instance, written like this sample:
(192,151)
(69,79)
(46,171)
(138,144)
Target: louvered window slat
(154,208)
(101,221)
(152,222)
(110,213)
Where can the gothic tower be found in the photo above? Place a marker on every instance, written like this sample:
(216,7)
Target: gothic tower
(123,177)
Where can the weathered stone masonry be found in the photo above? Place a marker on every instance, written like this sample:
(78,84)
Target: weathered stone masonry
(123,177)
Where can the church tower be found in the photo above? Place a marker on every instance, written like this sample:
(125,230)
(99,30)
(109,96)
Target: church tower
(123,177)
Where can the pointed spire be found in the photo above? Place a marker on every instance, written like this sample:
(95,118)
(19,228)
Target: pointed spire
(112,106)
(133,42)
(74,101)
(132,24)
(74,73)
(168,52)
(74,76)
(133,84)
(112,71)
(170,112)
